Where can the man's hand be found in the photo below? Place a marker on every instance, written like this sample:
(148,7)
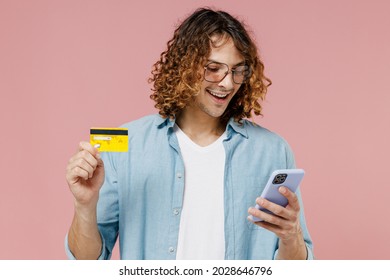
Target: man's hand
(285,224)
(85,175)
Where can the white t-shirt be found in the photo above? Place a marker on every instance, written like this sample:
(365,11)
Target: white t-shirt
(201,234)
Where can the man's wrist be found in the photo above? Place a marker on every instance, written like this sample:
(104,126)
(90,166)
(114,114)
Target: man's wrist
(294,248)
(85,214)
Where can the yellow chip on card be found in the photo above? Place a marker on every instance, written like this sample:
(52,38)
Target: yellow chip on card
(110,139)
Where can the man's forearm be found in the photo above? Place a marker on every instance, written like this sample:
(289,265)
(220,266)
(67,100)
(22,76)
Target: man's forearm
(84,238)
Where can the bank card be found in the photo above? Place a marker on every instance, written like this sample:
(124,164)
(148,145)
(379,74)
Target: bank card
(109,139)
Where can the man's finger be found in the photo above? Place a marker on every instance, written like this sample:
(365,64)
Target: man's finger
(265,217)
(91,149)
(291,197)
(274,208)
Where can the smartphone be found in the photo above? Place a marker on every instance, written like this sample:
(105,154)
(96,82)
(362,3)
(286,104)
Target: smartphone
(289,178)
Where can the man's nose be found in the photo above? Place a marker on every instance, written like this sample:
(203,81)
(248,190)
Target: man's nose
(227,82)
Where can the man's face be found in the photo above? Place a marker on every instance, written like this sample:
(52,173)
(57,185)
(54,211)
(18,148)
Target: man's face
(214,98)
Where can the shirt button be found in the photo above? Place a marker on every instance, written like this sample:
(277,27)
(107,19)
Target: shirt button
(179,175)
(171,249)
(176,212)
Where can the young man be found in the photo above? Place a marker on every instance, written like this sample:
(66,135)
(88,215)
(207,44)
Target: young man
(184,188)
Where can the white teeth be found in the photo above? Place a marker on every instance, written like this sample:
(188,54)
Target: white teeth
(220,95)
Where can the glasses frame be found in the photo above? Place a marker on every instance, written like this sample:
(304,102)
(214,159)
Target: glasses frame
(227,72)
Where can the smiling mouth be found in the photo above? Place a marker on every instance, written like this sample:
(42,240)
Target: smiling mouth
(218,94)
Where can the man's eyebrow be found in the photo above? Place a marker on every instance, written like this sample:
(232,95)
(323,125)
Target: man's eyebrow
(214,61)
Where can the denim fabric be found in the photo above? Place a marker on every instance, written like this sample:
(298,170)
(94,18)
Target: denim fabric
(142,196)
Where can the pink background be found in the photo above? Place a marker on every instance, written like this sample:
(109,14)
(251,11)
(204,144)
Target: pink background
(66,66)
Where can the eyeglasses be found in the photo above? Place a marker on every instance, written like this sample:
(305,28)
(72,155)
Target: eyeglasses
(215,72)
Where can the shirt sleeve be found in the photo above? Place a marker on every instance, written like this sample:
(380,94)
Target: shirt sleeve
(305,231)
(70,255)
(306,236)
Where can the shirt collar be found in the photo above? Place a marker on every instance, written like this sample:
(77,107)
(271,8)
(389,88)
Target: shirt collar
(239,128)
(232,124)
(161,122)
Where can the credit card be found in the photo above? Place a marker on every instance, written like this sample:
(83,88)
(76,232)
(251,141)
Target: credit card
(109,139)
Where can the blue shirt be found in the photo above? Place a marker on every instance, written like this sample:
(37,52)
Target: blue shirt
(142,196)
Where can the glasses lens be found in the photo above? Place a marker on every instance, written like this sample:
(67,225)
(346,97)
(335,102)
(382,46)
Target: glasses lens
(215,72)
(240,73)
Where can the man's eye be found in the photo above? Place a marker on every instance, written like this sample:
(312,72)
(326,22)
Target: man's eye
(240,71)
(213,69)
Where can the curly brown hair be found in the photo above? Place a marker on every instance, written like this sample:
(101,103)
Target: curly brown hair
(176,77)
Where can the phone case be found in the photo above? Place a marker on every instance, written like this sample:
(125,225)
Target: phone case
(289,178)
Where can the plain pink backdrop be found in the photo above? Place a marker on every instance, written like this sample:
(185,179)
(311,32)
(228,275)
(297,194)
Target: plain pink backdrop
(66,66)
